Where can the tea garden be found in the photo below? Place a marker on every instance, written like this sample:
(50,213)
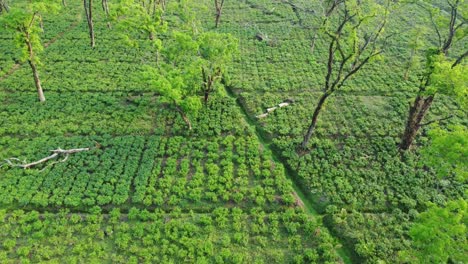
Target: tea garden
(235,188)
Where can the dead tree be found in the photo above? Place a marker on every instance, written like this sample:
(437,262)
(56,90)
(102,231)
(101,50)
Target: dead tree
(17,163)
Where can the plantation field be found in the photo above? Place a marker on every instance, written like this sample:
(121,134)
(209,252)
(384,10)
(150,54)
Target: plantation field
(234,189)
(149,190)
(354,169)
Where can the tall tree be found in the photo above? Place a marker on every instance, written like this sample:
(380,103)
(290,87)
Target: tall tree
(449,29)
(141,15)
(355,36)
(219,4)
(88,8)
(177,79)
(25,22)
(216,51)
(439,234)
(192,62)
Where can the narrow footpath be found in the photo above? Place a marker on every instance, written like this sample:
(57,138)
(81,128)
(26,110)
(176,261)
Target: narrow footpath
(309,202)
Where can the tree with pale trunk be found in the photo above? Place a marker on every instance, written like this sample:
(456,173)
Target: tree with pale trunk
(219,4)
(105,8)
(3,6)
(355,34)
(88,8)
(25,23)
(444,72)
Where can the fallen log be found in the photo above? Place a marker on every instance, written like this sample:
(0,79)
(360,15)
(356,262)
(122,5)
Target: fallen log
(56,152)
(271,109)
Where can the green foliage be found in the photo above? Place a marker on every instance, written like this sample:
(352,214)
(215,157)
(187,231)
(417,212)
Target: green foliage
(161,194)
(447,152)
(25,23)
(217,49)
(439,234)
(190,62)
(178,80)
(139,16)
(448,80)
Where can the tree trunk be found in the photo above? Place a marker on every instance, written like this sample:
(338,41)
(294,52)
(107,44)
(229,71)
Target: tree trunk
(41,23)
(207,94)
(105,8)
(218,17)
(312,126)
(64,3)
(3,6)
(417,113)
(184,117)
(219,9)
(312,45)
(408,66)
(88,6)
(37,81)
(406,74)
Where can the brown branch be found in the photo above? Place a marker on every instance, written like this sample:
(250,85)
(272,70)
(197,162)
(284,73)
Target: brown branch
(56,153)
(439,36)
(452,29)
(460,59)
(436,120)
(184,117)
(356,68)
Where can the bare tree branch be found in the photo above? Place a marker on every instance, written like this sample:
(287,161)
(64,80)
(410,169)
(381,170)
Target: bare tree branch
(437,120)
(439,36)
(460,59)
(57,152)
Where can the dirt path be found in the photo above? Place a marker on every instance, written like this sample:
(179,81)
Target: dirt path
(307,202)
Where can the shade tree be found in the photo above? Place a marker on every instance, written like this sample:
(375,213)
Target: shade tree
(25,23)
(443,70)
(355,36)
